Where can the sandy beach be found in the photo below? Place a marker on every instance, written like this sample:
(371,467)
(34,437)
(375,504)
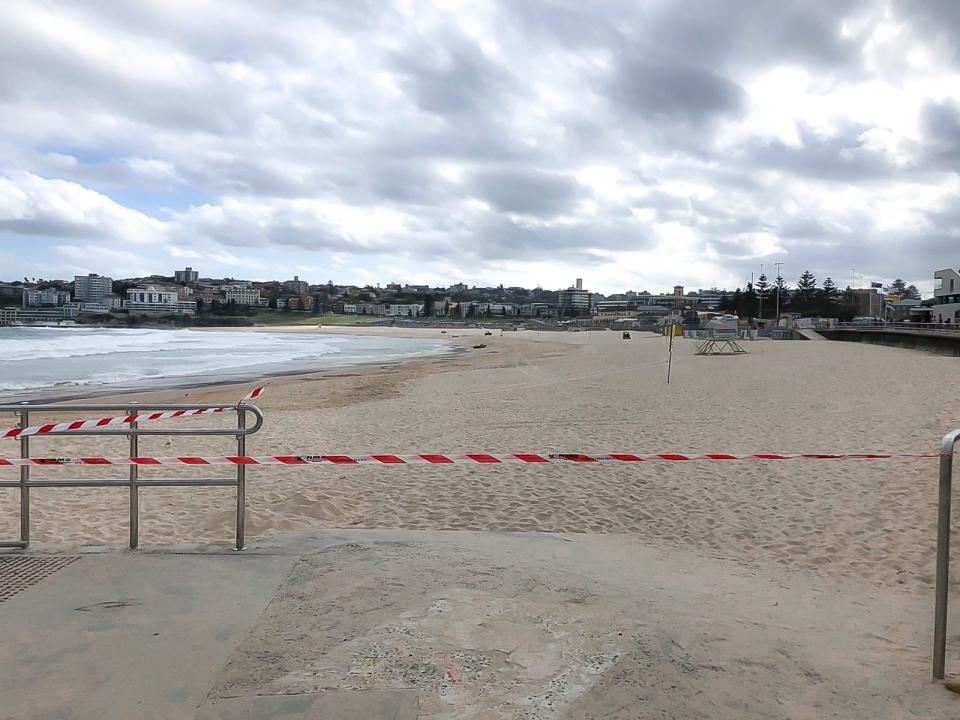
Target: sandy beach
(586,392)
(734,590)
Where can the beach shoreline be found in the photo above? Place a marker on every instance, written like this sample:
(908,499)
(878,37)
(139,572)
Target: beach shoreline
(214,379)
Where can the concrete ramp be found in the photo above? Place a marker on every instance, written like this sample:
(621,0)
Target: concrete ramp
(808,334)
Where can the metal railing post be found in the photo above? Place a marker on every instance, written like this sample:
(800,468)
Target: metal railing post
(24,482)
(134,489)
(241,476)
(943,554)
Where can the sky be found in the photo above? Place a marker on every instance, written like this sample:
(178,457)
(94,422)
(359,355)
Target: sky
(636,144)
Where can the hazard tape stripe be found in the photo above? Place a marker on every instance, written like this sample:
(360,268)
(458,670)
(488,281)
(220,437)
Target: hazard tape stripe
(65,427)
(447,459)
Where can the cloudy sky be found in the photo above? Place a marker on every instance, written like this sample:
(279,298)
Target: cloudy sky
(637,144)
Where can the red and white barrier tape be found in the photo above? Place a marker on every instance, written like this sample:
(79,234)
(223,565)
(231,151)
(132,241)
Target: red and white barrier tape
(120,420)
(439,459)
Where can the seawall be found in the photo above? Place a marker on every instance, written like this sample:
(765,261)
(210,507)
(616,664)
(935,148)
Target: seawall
(939,344)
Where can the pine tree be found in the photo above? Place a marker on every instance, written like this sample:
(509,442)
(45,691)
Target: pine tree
(827,297)
(731,304)
(846,305)
(763,291)
(899,287)
(806,288)
(911,293)
(748,303)
(781,291)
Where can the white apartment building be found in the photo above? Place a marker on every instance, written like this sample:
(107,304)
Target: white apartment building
(242,295)
(91,288)
(363,308)
(946,293)
(405,310)
(159,301)
(50,296)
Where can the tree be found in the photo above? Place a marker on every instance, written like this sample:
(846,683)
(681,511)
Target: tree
(781,292)
(898,287)
(806,289)
(763,290)
(846,305)
(743,303)
(730,303)
(911,293)
(827,298)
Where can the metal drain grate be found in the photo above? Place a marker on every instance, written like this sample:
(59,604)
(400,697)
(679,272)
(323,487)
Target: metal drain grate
(18,572)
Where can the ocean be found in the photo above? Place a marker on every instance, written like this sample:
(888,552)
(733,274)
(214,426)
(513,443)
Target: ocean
(47,361)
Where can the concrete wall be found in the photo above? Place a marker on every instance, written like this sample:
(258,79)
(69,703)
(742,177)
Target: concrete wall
(940,345)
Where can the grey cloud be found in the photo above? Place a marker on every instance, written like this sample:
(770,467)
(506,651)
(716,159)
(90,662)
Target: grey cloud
(941,121)
(530,192)
(666,91)
(803,227)
(719,34)
(841,157)
(726,33)
(48,227)
(499,238)
(453,77)
(933,20)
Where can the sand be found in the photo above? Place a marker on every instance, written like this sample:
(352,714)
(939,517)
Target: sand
(846,522)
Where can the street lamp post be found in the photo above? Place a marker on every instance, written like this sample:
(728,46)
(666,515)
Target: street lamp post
(761,293)
(779,283)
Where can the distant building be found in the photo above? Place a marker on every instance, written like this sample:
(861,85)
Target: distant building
(868,302)
(712,298)
(115,302)
(574,300)
(153,300)
(302,302)
(242,296)
(946,294)
(37,314)
(298,286)
(538,310)
(678,299)
(94,308)
(91,288)
(187,275)
(405,310)
(209,296)
(901,310)
(364,308)
(48,297)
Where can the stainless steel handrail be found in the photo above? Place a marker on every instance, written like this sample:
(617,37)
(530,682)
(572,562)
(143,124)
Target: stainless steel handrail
(947,446)
(134,482)
(139,408)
